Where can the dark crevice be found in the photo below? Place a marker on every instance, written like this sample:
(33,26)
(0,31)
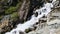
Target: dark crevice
(34,4)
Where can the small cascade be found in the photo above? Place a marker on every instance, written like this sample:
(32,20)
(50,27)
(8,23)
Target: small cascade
(34,19)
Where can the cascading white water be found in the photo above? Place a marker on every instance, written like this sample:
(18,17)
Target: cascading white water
(22,27)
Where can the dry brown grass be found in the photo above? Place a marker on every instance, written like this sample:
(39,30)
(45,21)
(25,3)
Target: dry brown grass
(4,23)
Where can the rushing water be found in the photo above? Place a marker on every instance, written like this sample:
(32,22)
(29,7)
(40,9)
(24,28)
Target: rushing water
(41,12)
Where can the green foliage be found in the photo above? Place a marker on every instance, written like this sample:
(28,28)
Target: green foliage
(19,5)
(14,16)
(13,11)
(10,10)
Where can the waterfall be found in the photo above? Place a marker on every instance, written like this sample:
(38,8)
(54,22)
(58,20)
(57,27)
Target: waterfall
(41,12)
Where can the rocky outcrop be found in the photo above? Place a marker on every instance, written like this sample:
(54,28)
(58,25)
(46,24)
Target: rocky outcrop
(50,27)
(47,29)
(23,10)
(27,8)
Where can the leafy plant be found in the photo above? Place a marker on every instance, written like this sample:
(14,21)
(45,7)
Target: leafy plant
(14,16)
(10,10)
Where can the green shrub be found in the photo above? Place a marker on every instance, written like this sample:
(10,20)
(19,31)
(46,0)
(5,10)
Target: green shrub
(14,16)
(18,5)
(10,10)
